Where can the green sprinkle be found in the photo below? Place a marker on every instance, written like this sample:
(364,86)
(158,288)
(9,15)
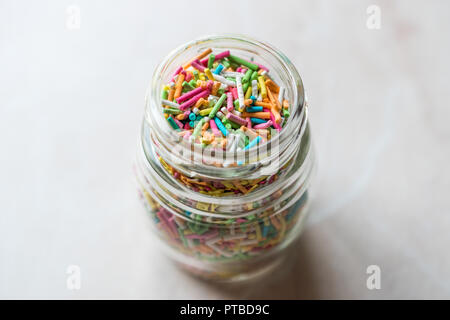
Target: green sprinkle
(243,62)
(217,106)
(225,63)
(172,111)
(245,86)
(173,124)
(254,76)
(211,61)
(193,83)
(241,142)
(164,94)
(188,86)
(286,113)
(247,76)
(195,73)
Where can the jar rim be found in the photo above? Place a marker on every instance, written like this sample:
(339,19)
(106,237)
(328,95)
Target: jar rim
(169,139)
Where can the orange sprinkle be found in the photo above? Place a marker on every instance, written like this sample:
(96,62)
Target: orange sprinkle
(171,94)
(276,114)
(249,132)
(179,85)
(215,88)
(200,56)
(285,104)
(263,104)
(272,86)
(260,115)
(273,100)
(240,187)
(180,116)
(200,102)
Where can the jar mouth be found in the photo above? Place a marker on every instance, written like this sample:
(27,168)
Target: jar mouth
(170,141)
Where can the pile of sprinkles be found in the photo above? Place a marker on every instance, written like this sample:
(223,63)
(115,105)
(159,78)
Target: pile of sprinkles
(224,101)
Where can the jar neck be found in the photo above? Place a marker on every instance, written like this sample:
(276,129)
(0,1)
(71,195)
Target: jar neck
(279,196)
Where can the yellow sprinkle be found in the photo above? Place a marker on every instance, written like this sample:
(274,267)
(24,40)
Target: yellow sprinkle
(202,206)
(205,112)
(263,87)
(209,74)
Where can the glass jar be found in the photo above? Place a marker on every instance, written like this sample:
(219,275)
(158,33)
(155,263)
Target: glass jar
(236,234)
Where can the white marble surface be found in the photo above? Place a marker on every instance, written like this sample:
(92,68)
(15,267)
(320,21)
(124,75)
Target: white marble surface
(70,108)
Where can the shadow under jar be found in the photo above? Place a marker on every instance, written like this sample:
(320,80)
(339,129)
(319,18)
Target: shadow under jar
(243,232)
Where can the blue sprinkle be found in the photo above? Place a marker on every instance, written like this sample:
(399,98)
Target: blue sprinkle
(218,69)
(257,120)
(254,109)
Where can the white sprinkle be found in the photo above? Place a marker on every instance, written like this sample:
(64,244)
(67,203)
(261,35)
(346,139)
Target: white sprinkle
(223,80)
(232,74)
(219,115)
(281,95)
(254,88)
(240,93)
(170,103)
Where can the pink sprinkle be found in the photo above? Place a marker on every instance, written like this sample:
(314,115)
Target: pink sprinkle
(230,106)
(188,95)
(176,175)
(214,128)
(186,126)
(196,65)
(210,84)
(179,123)
(235,93)
(236,119)
(249,122)
(188,77)
(272,118)
(222,55)
(177,71)
(261,66)
(263,125)
(218,56)
(194,99)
